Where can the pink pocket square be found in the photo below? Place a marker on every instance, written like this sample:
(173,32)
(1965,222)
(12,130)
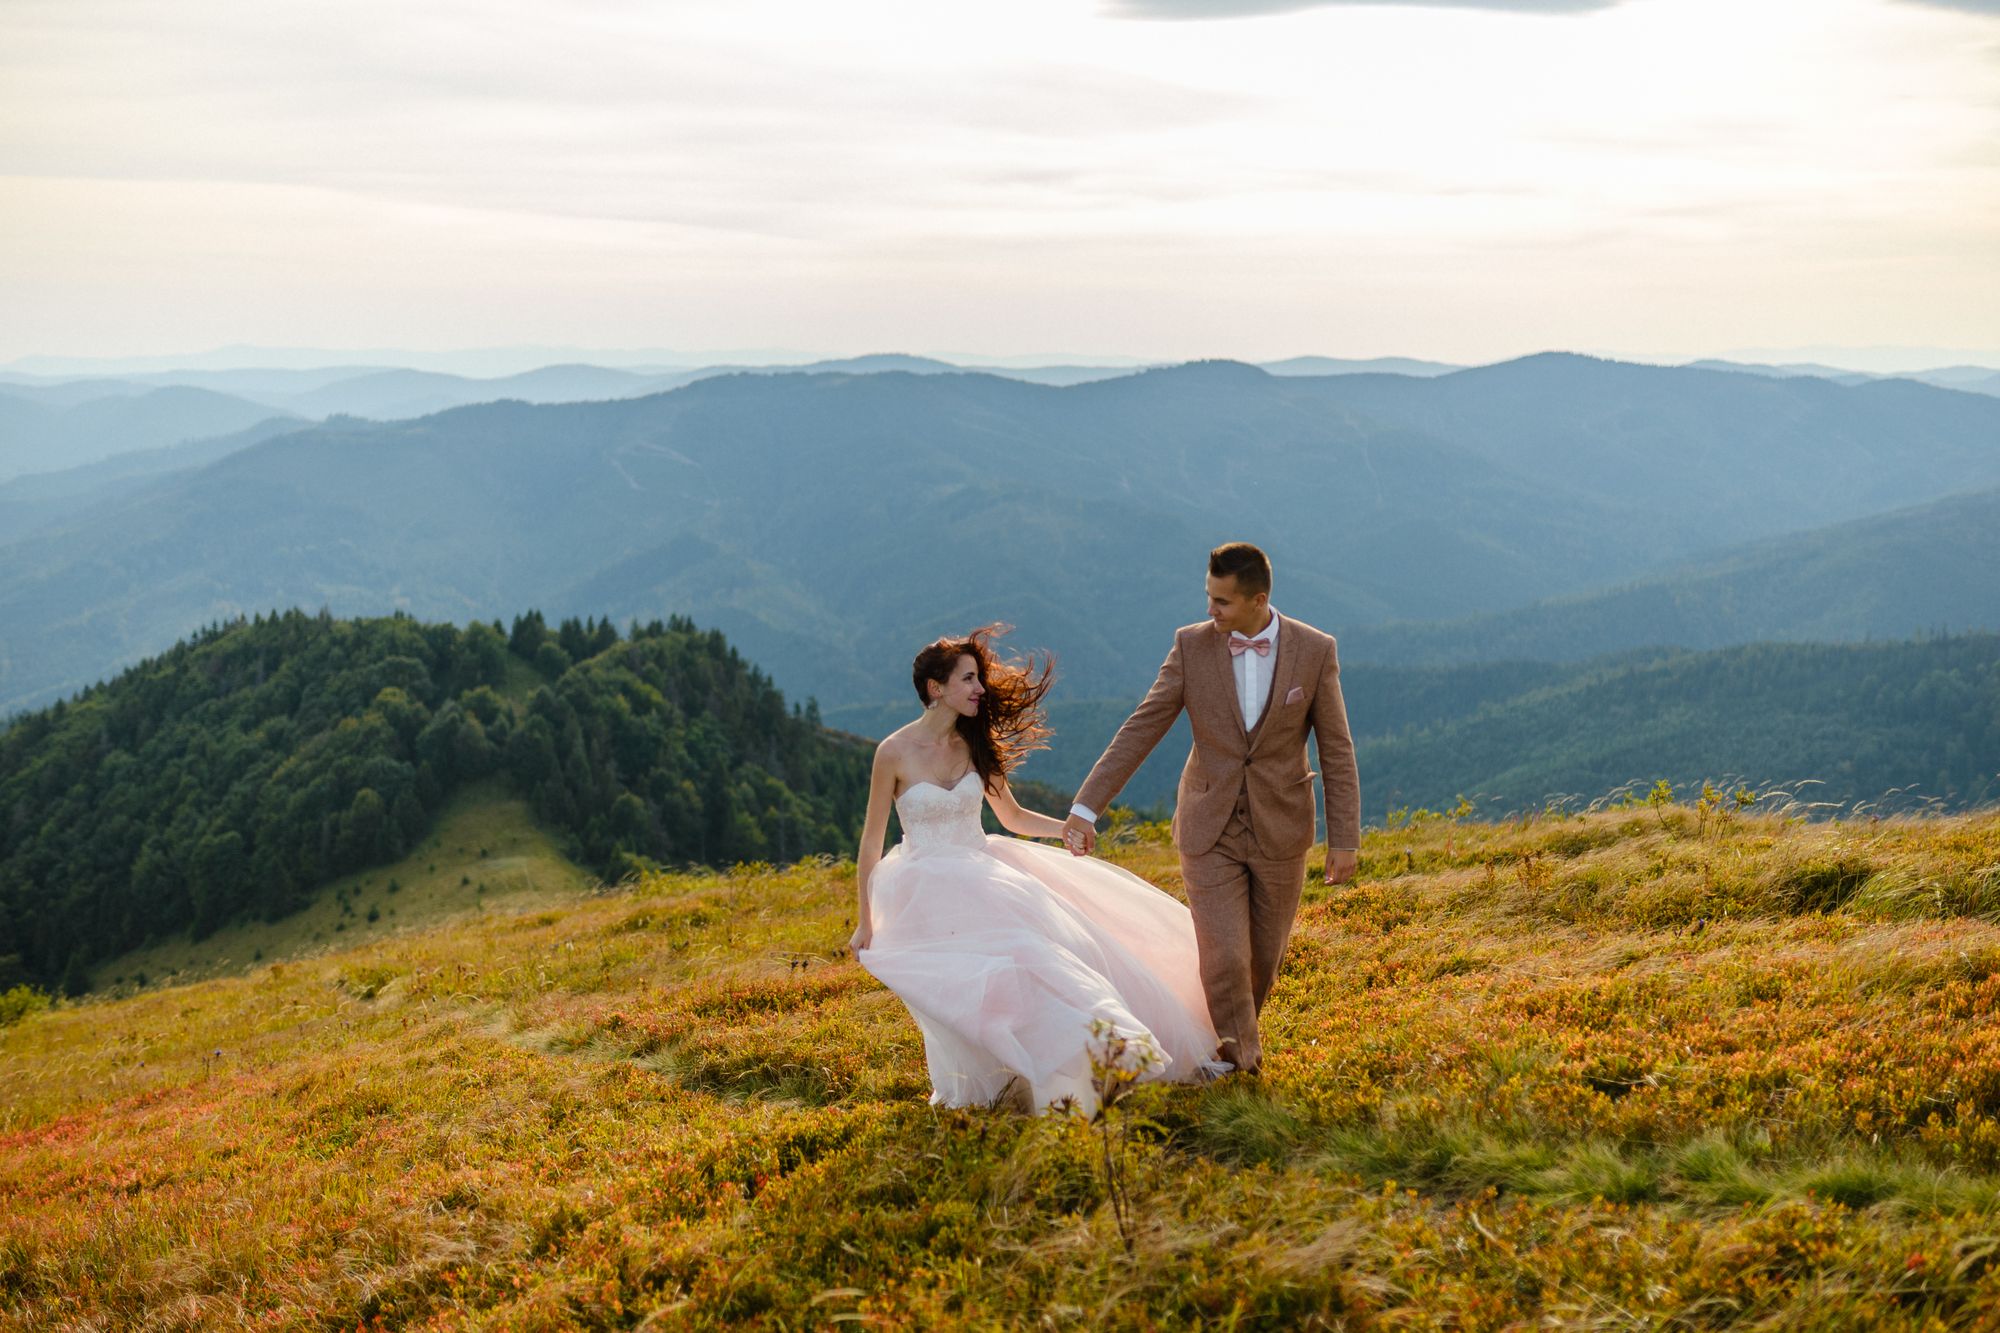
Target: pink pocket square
(1297,696)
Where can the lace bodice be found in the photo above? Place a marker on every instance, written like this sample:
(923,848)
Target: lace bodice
(935,817)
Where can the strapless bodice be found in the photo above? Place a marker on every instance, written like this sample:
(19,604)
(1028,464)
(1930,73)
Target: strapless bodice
(937,817)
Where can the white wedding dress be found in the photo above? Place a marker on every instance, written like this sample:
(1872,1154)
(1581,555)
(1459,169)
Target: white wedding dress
(1006,951)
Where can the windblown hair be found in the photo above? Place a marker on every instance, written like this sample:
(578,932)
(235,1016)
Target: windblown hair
(1248,565)
(1010,723)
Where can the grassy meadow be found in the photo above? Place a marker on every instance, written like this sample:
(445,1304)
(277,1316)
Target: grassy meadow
(1661,1066)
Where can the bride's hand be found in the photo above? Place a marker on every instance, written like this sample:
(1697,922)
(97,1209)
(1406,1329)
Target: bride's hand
(1079,836)
(863,936)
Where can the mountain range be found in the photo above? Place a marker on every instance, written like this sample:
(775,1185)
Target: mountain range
(386,393)
(64,426)
(829,522)
(1930,567)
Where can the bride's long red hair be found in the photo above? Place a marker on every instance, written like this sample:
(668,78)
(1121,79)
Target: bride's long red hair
(1010,723)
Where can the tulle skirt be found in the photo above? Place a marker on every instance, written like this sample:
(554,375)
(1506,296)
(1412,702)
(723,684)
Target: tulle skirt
(1008,953)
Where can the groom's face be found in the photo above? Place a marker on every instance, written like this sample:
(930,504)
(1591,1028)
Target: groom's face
(1234,611)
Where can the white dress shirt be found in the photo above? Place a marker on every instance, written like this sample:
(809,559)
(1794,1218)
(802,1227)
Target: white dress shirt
(1254,674)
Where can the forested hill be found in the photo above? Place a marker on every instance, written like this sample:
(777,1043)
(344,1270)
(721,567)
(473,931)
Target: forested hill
(1895,726)
(1926,568)
(238,772)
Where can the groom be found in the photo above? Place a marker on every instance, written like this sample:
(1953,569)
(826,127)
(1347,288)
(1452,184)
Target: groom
(1252,682)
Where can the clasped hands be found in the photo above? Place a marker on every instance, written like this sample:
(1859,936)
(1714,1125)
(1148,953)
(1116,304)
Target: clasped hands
(1080,836)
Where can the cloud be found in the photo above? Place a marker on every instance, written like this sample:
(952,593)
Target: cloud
(684,124)
(1988,7)
(1242,9)
(701,173)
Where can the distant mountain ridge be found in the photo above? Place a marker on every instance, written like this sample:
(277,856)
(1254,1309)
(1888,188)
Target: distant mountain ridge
(1375,365)
(1931,567)
(31,503)
(47,432)
(1970,379)
(827,521)
(384,393)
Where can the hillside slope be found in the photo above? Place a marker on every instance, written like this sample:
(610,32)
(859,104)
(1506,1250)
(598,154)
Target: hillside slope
(233,777)
(1636,1068)
(1892,725)
(485,852)
(1922,569)
(38,436)
(41,500)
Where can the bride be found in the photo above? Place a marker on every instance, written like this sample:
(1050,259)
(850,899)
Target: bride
(1016,959)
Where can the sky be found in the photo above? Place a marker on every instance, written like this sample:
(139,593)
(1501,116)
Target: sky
(1071,178)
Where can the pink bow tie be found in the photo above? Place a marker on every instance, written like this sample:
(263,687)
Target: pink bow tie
(1237,646)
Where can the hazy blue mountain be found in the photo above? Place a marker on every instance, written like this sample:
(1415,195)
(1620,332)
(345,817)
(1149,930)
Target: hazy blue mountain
(69,393)
(1717,458)
(1060,375)
(829,522)
(879,363)
(389,395)
(1952,377)
(50,436)
(1969,379)
(1791,371)
(1927,568)
(1374,365)
(471,361)
(1988,384)
(280,386)
(274,386)
(42,499)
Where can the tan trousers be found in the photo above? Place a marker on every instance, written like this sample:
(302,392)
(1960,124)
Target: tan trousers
(1243,904)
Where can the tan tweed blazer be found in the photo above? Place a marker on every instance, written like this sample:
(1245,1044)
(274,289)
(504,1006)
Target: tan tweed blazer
(1269,759)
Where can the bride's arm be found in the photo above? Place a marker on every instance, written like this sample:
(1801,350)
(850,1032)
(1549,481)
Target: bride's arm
(1017,819)
(874,827)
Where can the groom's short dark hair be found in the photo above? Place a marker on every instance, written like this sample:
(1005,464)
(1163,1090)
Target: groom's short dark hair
(1250,567)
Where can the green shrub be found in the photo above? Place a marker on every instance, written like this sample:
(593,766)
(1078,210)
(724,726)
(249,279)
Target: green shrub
(18,1003)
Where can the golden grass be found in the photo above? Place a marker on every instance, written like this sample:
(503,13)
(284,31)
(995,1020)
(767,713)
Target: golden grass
(1619,1069)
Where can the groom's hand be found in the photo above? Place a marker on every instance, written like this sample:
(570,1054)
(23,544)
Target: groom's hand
(1079,835)
(1340,866)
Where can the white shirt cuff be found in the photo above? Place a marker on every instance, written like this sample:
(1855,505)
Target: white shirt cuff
(1084,812)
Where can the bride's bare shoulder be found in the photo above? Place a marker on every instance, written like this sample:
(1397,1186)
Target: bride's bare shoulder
(897,741)
(894,748)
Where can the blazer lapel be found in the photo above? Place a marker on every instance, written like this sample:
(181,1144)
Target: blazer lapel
(1282,680)
(1221,671)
